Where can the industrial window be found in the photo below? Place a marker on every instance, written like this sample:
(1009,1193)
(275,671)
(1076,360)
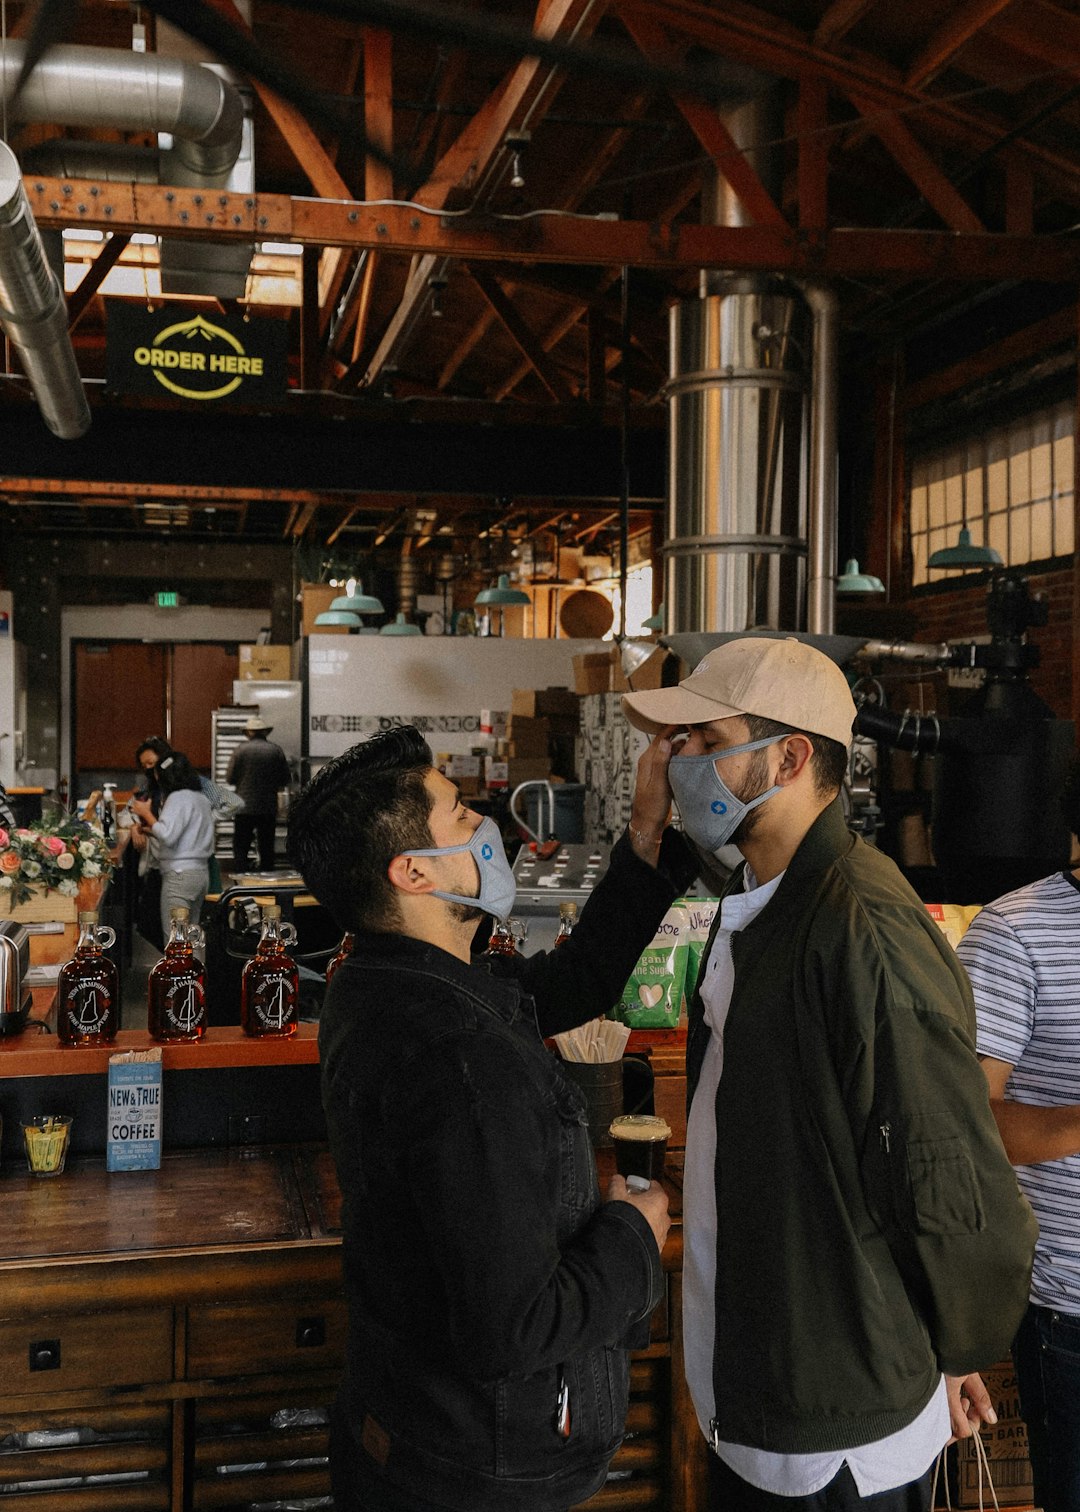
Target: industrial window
(1012,487)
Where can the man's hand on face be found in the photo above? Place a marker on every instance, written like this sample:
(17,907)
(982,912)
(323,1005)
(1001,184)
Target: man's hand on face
(652,796)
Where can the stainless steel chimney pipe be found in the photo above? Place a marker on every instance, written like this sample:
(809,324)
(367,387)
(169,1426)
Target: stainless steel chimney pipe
(33,311)
(102,86)
(823,506)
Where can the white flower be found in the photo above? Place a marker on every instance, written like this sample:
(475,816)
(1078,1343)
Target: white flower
(6,883)
(65,860)
(87,848)
(32,868)
(69,887)
(91,869)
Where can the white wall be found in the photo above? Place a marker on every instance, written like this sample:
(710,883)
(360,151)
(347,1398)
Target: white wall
(439,682)
(142,622)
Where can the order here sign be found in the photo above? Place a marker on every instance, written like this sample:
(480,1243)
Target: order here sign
(207,359)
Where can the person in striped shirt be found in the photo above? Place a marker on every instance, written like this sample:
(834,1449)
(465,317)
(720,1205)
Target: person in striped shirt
(1022,955)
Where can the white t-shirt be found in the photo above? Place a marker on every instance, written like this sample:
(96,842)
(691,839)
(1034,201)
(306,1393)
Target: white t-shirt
(881,1466)
(1021,955)
(183,833)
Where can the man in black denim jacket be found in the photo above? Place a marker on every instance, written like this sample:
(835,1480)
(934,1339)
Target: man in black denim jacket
(492,1294)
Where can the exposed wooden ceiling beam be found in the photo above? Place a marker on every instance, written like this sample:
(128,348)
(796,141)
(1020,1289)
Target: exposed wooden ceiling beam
(708,126)
(521,336)
(812,120)
(764,40)
(838,20)
(378,110)
(909,153)
(843,252)
(946,41)
(79,298)
(1045,33)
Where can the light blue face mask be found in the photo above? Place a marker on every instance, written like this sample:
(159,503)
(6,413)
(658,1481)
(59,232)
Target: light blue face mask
(497,886)
(710,811)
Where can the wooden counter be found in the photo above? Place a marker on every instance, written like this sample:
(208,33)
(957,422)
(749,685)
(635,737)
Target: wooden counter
(181,1334)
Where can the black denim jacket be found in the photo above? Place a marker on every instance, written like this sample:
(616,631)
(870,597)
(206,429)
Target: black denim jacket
(490,1292)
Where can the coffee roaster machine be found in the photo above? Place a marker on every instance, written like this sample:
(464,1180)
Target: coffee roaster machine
(999,767)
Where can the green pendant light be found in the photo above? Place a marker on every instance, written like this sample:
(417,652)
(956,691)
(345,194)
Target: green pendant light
(654,621)
(964,554)
(339,617)
(400,626)
(851,580)
(358,602)
(501,594)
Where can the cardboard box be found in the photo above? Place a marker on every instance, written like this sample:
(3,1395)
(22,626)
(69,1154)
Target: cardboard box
(1005,1444)
(528,737)
(527,769)
(599,672)
(265,663)
(315,598)
(493,723)
(650,673)
(535,703)
(496,773)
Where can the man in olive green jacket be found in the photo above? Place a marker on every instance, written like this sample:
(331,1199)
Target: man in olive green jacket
(856,1245)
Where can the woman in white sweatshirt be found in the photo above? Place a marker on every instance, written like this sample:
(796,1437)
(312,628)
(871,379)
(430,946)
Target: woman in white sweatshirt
(182,836)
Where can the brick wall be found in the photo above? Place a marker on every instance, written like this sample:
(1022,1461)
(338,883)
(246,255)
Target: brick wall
(961,612)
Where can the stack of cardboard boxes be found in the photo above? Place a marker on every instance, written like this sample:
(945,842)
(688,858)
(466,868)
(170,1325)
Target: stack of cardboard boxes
(532,741)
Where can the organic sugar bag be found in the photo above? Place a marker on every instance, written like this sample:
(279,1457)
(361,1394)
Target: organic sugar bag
(700,915)
(652,997)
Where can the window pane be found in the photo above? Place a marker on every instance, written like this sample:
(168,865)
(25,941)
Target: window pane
(1042,544)
(935,502)
(954,498)
(997,485)
(1063,527)
(1040,471)
(918,508)
(999,535)
(1019,536)
(1064,457)
(918,559)
(1020,478)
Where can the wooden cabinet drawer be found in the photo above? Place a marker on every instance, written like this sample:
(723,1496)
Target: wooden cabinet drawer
(70,1351)
(263,1337)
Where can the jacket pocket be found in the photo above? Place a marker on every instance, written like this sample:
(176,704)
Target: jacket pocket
(561,1417)
(944,1187)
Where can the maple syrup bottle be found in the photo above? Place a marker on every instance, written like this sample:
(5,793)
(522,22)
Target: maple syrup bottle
(343,952)
(270,985)
(176,986)
(502,940)
(88,989)
(567,920)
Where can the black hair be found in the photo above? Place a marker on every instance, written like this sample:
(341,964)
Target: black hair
(363,809)
(829,763)
(160,748)
(177,775)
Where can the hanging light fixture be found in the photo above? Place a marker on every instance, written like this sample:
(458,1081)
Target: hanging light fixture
(965,554)
(358,602)
(851,580)
(339,617)
(400,626)
(499,597)
(654,621)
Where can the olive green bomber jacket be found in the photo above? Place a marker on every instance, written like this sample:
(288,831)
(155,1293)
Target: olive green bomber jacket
(871,1232)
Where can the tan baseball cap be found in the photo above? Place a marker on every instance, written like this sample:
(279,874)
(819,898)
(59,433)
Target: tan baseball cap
(784,680)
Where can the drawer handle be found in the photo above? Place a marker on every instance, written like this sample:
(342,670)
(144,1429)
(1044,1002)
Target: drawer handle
(45,1354)
(310,1333)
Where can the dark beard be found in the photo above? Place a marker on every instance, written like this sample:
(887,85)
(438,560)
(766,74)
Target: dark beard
(757,782)
(465,913)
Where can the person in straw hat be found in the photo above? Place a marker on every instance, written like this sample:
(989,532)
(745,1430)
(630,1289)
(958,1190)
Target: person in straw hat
(259,770)
(856,1247)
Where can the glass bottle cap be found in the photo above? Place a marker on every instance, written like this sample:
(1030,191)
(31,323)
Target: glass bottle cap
(180,913)
(271,911)
(88,918)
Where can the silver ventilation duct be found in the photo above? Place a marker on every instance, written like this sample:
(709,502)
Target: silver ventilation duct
(752,428)
(202,112)
(33,311)
(101,86)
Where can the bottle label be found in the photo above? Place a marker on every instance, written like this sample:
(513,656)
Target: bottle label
(274,1000)
(88,1007)
(184,1006)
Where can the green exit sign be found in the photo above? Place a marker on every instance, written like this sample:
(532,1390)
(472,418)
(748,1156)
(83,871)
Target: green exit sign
(167,599)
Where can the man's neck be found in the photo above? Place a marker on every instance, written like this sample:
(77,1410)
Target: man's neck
(441,930)
(770,848)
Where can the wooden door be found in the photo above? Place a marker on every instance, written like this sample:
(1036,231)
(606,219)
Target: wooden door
(200,680)
(119,700)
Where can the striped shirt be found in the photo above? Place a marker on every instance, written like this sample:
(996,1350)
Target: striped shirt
(1022,955)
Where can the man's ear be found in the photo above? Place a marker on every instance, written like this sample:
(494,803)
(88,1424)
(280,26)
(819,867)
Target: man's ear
(409,874)
(795,754)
